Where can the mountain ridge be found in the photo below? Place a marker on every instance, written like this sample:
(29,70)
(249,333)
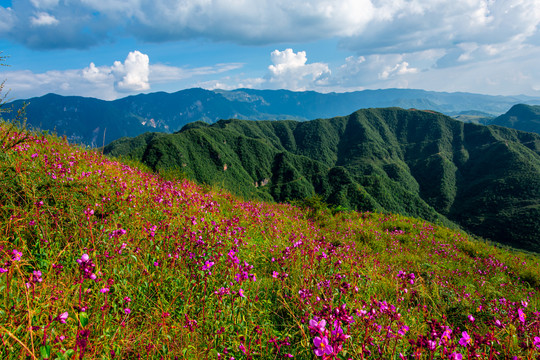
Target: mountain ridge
(84,120)
(417,163)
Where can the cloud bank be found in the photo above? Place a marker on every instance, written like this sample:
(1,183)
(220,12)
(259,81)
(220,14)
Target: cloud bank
(134,75)
(394,42)
(365,26)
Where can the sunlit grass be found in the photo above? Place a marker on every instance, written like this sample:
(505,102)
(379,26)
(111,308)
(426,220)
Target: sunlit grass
(170,269)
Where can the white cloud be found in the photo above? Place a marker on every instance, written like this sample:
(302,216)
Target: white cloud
(132,75)
(399,69)
(290,71)
(135,74)
(8,20)
(43,19)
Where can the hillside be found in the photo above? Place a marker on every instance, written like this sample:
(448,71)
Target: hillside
(415,163)
(95,122)
(521,117)
(101,259)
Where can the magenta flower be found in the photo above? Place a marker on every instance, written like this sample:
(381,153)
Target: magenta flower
(465,339)
(521,315)
(403,330)
(322,347)
(471,318)
(62,317)
(317,325)
(456,356)
(241,292)
(104,290)
(537,342)
(2,270)
(16,255)
(127,311)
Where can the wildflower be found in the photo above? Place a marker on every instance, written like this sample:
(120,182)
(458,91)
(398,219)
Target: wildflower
(317,325)
(241,292)
(127,311)
(521,315)
(322,347)
(16,255)
(86,266)
(465,339)
(471,318)
(537,342)
(207,265)
(3,270)
(62,317)
(403,330)
(456,356)
(446,336)
(104,290)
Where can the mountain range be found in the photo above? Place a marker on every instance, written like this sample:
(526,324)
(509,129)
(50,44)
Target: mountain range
(97,122)
(485,179)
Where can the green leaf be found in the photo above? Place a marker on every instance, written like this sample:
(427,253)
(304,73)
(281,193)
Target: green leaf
(83,317)
(69,353)
(45,351)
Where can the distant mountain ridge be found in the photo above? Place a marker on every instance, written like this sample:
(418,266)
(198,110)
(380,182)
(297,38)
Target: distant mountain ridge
(418,163)
(84,120)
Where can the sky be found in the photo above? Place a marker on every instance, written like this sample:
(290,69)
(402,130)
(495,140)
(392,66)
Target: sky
(110,49)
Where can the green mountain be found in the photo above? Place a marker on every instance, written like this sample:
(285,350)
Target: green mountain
(93,122)
(417,163)
(521,117)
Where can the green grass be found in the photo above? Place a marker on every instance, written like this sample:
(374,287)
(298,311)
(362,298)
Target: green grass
(209,273)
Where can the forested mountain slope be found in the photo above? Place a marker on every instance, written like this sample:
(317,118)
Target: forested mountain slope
(417,163)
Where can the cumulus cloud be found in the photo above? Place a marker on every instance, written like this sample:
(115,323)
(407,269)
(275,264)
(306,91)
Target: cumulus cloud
(290,71)
(133,75)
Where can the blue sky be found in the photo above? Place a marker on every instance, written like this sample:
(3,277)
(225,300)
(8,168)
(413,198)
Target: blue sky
(113,48)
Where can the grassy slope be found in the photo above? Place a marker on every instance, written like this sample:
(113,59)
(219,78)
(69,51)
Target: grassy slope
(415,163)
(207,273)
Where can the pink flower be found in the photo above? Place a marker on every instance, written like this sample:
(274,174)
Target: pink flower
(317,325)
(241,292)
(3,270)
(521,315)
(104,290)
(465,339)
(537,342)
(322,347)
(127,311)
(471,318)
(403,330)
(16,255)
(456,356)
(63,317)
